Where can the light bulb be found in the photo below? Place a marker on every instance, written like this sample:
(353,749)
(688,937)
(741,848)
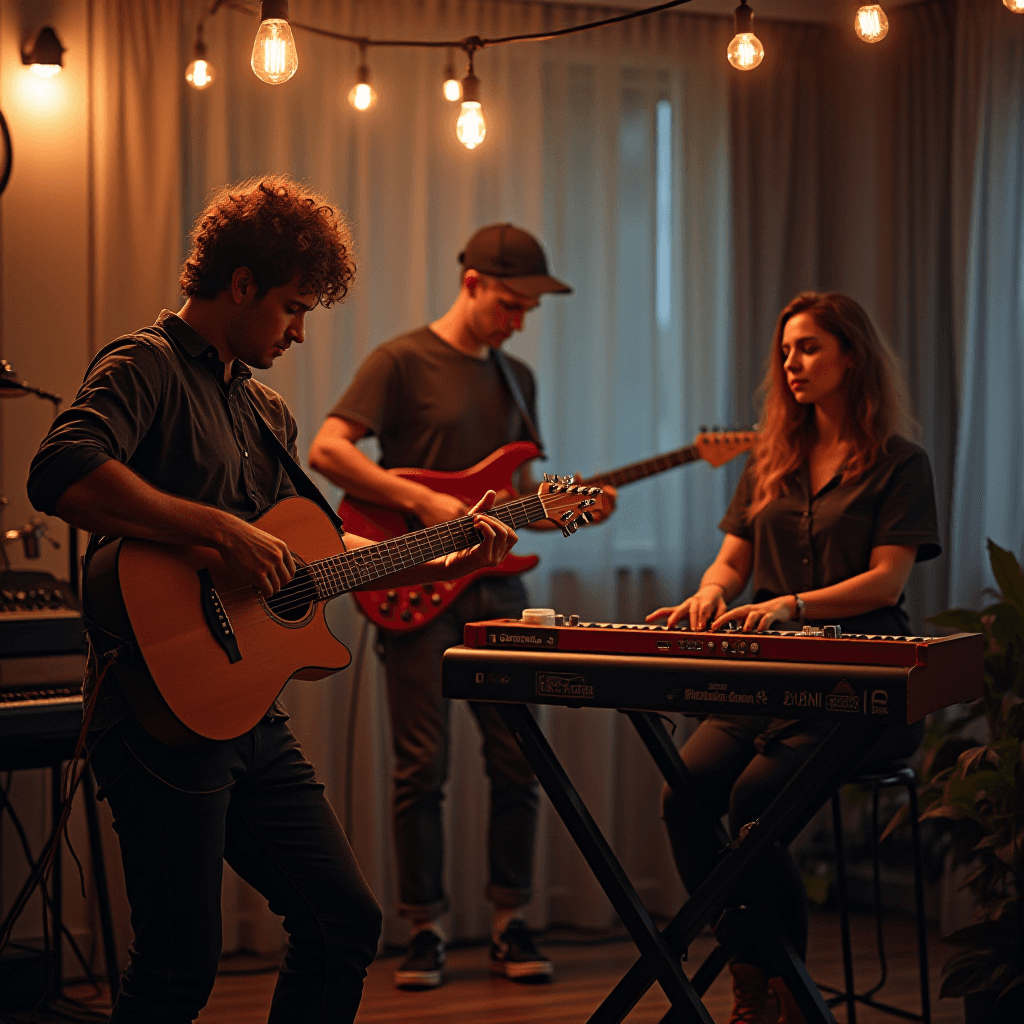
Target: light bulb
(471,127)
(453,91)
(872,24)
(362,96)
(199,74)
(45,70)
(1017,6)
(745,51)
(274,57)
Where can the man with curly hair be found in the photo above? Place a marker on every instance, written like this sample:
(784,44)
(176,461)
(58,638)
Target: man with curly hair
(171,439)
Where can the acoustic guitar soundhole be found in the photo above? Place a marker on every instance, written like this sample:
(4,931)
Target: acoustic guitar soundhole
(293,602)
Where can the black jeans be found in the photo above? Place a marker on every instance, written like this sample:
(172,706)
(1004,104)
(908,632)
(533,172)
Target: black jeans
(419,725)
(255,803)
(738,765)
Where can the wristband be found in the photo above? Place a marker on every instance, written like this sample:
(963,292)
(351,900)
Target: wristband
(799,608)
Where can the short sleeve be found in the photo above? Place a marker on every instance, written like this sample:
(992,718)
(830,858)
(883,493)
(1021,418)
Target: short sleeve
(907,514)
(735,519)
(372,397)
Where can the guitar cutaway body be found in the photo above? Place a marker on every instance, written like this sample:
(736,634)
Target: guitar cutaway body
(217,652)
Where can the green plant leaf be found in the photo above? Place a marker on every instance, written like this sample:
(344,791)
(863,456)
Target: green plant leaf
(1007,572)
(965,978)
(972,759)
(963,620)
(897,819)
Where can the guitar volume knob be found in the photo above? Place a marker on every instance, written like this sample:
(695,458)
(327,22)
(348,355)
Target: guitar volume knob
(435,598)
(385,608)
(414,597)
(406,615)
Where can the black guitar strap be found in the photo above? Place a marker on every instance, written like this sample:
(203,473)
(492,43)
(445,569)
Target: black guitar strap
(302,484)
(509,377)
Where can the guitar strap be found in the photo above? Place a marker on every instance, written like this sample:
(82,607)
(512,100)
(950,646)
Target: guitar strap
(509,377)
(302,484)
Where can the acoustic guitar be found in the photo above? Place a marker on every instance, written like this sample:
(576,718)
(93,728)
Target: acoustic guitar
(404,609)
(203,656)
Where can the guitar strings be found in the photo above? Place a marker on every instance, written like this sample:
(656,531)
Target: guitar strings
(381,564)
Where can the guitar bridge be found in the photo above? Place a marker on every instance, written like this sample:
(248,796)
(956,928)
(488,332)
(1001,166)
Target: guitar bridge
(217,617)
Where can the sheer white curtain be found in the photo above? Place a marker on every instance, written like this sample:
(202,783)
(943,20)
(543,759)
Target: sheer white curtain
(613,148)
(989,487)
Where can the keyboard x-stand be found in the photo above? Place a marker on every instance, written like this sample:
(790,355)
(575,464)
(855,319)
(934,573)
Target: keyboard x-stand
(861,683)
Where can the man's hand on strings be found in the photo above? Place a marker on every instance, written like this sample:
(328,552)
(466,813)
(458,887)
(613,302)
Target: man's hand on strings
(496,541)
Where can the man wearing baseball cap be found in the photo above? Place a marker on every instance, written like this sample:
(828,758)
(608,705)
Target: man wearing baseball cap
(443,397)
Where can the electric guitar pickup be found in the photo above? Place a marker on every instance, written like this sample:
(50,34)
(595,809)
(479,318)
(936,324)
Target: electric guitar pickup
(404,609)
(203,655)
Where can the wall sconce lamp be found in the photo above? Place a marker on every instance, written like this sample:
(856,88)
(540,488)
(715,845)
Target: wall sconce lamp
(45,53)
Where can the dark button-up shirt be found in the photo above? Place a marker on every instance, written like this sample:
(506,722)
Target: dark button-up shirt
(804,541)
(156,401)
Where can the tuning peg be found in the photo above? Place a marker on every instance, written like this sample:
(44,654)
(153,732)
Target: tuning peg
(566,532)
(594,490)
(554,489)
(587,517)
(548,478)
(574,526)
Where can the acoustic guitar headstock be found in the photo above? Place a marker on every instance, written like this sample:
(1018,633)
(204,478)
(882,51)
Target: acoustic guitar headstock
(720,446)
(570,505)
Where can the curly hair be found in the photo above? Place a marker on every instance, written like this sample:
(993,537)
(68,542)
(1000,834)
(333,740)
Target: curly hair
(277,228)
(875,390)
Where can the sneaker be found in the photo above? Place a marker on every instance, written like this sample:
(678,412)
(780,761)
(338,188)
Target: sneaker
(423,965)
(516,957)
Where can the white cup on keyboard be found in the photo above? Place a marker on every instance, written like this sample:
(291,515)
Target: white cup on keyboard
(538,616)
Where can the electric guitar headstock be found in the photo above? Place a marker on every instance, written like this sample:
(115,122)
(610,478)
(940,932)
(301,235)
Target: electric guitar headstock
(570,505)
(720,446)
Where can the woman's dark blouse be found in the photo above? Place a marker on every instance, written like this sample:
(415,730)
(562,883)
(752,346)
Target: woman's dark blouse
(805,542)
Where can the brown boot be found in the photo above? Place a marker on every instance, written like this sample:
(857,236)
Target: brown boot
(789,1011)
(753,1003)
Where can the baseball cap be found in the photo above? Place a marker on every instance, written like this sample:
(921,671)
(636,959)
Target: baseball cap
(514,256)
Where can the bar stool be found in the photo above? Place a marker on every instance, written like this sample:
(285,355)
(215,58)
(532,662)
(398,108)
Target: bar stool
(890,776)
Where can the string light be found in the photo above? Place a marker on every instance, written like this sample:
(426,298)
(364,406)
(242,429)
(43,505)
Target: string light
(451,88)
(872,24)
(199,74)
(1017,6)
(471,129)
(362,95)
(745,51)
(274,57)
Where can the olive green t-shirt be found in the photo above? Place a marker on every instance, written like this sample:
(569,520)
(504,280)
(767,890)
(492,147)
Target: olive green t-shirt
(434,407)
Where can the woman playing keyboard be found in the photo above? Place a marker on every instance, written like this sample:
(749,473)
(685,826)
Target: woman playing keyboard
(833,509)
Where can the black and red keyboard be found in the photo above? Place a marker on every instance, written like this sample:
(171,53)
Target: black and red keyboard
(819,673)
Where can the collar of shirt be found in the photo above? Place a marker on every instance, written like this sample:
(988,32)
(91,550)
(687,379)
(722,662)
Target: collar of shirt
(189,339)
(803,476)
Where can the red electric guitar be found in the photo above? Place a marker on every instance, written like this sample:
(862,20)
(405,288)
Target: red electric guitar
(404,609)
(204,656)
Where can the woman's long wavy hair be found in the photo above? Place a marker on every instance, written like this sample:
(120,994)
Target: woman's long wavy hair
(876,397)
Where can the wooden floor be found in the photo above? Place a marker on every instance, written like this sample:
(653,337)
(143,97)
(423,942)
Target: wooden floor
(585,973)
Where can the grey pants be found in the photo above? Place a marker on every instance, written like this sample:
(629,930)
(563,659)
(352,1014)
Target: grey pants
(419,725)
